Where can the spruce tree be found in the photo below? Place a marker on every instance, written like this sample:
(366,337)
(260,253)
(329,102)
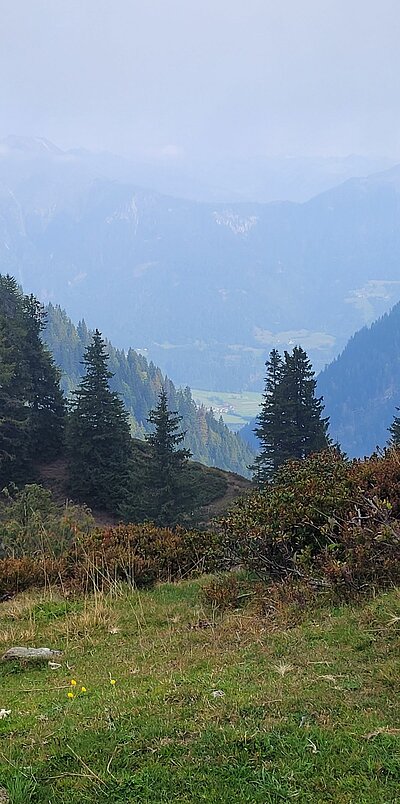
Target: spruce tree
(99,441)
(270,427)
(394,431)
(290,423)
(31,403)
(47,405)
(167,491)
(305,431)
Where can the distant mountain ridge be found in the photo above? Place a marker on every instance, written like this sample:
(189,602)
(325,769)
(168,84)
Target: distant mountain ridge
(361,388)
(207,289)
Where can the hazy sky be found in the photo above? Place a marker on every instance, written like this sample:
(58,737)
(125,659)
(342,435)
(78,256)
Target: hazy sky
(202,78)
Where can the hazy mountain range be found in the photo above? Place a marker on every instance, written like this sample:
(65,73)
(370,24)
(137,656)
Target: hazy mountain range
(206,288)
(361,388)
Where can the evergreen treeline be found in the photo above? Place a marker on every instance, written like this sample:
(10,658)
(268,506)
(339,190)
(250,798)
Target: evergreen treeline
(32,411)
(106,468)
(139,383)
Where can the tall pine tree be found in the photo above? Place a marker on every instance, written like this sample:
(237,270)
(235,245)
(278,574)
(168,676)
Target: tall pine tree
(99,441)
(31,404)
(394,430)
(290,424)
(167,491)
(270,424)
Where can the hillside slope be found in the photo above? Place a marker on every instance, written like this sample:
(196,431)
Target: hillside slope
(139,383)
(361,388)
(213,489)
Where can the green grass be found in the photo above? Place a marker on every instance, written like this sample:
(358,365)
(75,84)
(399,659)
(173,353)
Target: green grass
(246,404)
(308,711)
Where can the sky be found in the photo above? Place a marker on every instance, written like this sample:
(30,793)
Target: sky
(187,79)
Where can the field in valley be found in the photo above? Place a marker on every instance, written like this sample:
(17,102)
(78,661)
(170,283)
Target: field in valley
(236,409)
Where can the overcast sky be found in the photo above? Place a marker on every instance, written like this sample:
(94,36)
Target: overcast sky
(202,78)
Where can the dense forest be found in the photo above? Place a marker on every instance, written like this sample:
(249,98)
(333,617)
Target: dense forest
(139,383)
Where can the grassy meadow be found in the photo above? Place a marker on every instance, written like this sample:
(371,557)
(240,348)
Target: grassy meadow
(246,405)
(183,703)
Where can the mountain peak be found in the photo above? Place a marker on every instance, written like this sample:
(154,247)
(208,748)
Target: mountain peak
(31,146)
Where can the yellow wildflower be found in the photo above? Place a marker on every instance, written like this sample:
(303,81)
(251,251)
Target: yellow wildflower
(83,689)
(70,694)
(73,682)
(112,681)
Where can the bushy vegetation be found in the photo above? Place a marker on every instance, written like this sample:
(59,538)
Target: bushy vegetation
(323,519)
(44,545)
(325,523)
(32,524)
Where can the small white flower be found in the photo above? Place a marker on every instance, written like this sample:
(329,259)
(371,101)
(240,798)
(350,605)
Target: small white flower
(217,694)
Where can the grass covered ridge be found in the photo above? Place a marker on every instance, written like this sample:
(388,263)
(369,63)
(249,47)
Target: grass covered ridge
(233,707)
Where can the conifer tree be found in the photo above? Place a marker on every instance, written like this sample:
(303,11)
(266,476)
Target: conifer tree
(269,429)
(166,478)
(47,405)
(306,431)
(99,442)
(31,403)
(394,431)
(290,424)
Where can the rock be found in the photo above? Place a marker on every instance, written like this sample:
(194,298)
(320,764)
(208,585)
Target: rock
(30,654)
(4,713)
(4,797)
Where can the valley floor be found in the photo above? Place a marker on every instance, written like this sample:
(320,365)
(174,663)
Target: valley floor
(231,707)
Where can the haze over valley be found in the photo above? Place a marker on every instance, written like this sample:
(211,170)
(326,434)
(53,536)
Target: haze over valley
(204,289)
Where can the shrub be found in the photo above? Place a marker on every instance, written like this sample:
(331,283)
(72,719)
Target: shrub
(366,552)
(32,524)
(18,574)
(226,591)
(275,531)
(326,520)
(143,554)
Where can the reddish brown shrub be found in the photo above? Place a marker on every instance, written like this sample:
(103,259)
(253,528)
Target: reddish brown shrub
(17,574)
(143,554)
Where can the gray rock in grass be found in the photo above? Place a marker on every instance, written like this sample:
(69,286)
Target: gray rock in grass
(30,654)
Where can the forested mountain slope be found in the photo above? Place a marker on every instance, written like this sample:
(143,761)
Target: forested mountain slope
(206,288)
(361,388)
(139,382)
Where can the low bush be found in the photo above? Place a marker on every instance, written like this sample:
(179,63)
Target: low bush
(143,554)
(326,520)
(137,554)
(229,591)
(18,574)
(32,524)
(273,531)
